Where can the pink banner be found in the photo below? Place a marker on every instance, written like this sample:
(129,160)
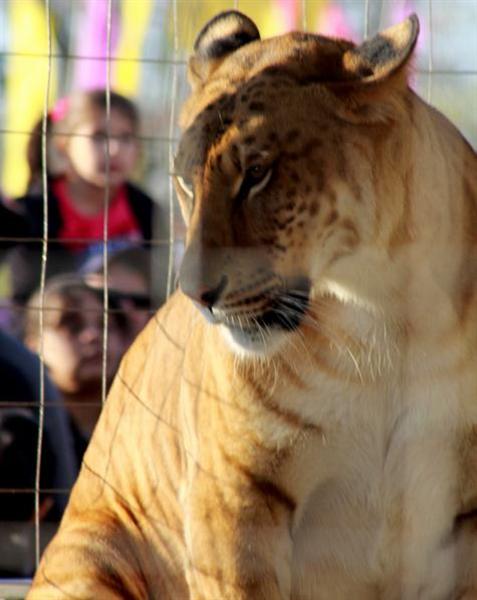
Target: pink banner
(289,10)
(92,43)
(332,22)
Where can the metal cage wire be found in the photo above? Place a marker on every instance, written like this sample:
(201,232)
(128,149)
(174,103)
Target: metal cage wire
(372,12)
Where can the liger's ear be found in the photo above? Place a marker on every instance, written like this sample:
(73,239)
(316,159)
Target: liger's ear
(376,73)
(381,56)
(384,54)
(221,36)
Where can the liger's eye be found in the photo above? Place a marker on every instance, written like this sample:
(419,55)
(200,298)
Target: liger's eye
(256,178)
(256,172)
(185,187)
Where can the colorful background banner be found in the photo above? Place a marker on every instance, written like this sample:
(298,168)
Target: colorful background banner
(26,76)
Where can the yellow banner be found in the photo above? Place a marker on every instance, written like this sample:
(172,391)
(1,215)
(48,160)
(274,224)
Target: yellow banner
(26,83)
(135,18)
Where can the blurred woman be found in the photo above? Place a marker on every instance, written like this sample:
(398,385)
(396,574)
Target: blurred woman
(72,348)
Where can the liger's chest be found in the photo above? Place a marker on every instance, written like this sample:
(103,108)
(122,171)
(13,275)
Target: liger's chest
(381,491)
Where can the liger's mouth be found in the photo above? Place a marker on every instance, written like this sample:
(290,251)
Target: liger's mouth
(283,310)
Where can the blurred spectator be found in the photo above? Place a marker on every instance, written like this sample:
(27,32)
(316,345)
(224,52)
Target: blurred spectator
(90,159)
(129,286)
(19,425)
(13,228)
(13,223)
(72,346)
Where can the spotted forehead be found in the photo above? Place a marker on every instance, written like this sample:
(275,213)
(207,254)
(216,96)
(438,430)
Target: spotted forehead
(243,106)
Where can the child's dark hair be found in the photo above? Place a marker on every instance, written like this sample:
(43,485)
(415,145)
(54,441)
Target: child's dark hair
(63,119)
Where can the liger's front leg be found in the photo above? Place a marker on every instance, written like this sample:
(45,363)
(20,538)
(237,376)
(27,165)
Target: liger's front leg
(238,537)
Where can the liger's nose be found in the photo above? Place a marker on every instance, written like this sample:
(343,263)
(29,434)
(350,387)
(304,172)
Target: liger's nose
(206,295)
(202,275)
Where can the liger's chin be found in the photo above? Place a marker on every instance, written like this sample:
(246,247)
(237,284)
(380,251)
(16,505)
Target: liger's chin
(258,343)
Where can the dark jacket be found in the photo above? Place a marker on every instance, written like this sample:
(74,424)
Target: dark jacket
(19,423)
(31,209)
(13,224)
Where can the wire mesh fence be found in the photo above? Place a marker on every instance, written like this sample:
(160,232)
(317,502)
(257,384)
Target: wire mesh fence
(138,48)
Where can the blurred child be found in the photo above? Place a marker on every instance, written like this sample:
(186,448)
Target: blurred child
(73,348)
(90,160)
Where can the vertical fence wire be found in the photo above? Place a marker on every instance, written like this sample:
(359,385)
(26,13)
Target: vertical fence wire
(430,58)
(366,18)
(172,119)
(304,23)
(44,259)
(107,193)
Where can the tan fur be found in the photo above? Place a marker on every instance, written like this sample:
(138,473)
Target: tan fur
(336,460)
